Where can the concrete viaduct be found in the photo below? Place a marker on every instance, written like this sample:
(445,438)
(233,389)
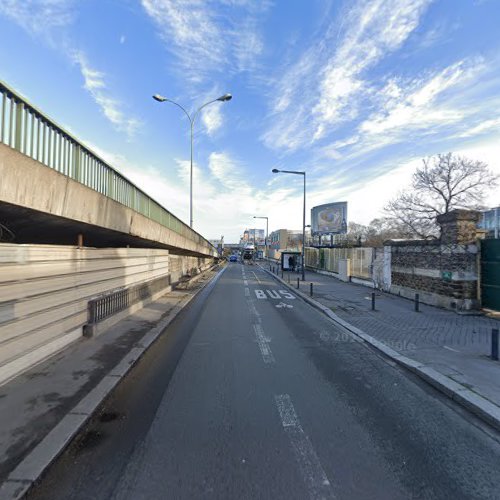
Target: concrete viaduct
(80,245)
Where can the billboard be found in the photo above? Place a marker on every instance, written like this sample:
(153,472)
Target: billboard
(330,218)
(257,235)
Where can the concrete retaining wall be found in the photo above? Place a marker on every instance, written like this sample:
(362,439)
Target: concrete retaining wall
(44,291)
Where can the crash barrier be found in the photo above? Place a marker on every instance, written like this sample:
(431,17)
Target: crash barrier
(113,302)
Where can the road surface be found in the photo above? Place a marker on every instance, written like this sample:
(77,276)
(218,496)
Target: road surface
(251,393)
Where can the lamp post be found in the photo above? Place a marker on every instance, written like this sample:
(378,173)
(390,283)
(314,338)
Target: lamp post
(192,118)
(267,232)
(276,171)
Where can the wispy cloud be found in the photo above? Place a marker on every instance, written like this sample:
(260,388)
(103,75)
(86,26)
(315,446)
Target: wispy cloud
(50,20)
(205,39)
(311,106)
(39,17)
(95,84)
(211,116)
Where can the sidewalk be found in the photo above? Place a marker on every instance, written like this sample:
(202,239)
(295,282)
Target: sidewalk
(456,346)
(34,403)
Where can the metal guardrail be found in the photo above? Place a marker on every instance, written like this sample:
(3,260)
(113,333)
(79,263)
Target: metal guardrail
(29,131)
(111,303)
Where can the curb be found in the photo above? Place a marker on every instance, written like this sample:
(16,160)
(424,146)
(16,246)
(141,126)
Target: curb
(31,468)
(470,400)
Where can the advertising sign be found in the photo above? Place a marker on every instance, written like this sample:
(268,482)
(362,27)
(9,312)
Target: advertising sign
(330,218)
(257,235)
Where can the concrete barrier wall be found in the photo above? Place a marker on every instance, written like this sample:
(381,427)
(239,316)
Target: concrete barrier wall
(182,265)
(28,184)
(44,291)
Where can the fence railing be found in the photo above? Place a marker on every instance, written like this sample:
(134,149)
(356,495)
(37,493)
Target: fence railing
(29,131)
(327,259)
(111,303)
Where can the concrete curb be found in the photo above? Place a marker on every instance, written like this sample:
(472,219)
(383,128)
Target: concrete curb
(470,400)
(25,475)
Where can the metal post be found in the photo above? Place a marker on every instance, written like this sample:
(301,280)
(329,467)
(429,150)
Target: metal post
(267,237)
(417,302)
(19,123)
(304,234)
(311,290)
(298,283)
(191,179)
(494,344)
(281,273)
(373,301)
(288,274)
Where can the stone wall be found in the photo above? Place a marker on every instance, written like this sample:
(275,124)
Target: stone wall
(444,272)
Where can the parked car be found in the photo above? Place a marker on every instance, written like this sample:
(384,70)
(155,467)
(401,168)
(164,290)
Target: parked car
(233,258)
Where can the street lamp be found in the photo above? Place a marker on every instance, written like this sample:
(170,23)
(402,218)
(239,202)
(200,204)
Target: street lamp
(267,232)
(276,171)
(192,118)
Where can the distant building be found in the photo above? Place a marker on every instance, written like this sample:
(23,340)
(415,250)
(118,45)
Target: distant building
(284,239)
(491,222)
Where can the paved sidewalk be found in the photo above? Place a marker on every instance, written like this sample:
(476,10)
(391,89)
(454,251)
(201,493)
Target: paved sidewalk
(33,403)
(455,345)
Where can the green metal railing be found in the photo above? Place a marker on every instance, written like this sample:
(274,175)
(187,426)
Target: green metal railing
(27,130)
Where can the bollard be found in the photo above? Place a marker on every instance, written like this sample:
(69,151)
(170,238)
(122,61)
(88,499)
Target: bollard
(281,273)
(494,344)
(417,302)
(373,301)
(288,274)
(298,283)
(311,290)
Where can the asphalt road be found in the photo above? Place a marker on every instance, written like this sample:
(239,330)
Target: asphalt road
(251,393)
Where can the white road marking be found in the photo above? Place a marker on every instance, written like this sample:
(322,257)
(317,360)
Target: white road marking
(245,282)
(256,277)
(274,294)
(263,343)
(247,292)
(449,348)
(283,305)
(314,476)
(254,311)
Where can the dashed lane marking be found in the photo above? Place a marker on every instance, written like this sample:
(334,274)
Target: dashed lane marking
(263,343)
(314,476)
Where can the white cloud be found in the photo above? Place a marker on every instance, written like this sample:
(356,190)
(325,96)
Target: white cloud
(46,19)
(414,105)
(123,39)
(482,127)
(368,33)
(95,84)
(211,116)
(203,40)
(39,17)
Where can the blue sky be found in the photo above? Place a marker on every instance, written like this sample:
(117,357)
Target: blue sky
(355,92)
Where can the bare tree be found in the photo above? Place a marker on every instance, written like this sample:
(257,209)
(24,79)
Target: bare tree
(444,182)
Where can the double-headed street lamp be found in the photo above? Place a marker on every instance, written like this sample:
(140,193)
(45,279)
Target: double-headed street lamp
(276,171)
(192,118)
(267,231)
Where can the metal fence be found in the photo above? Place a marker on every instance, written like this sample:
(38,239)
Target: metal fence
(327,259)
(111,303)
(27,130)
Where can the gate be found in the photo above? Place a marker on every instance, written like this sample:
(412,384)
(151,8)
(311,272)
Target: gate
(490,274)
